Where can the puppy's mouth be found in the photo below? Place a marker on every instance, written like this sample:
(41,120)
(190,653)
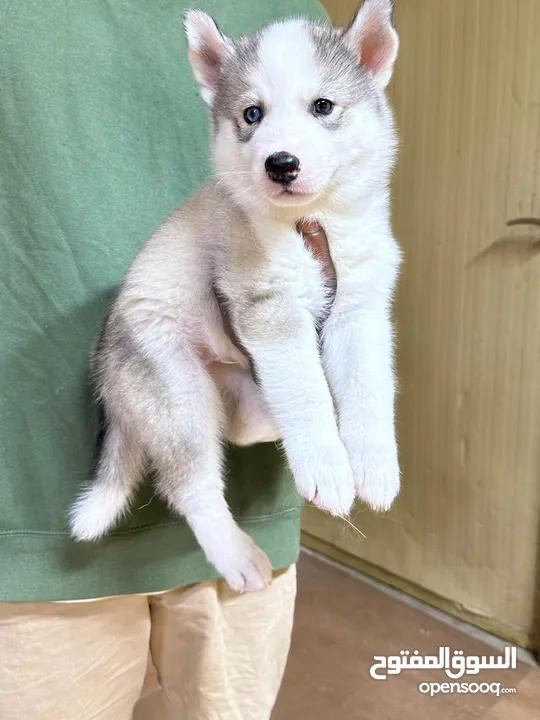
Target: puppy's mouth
(292,191)
(301,191)
(295,193)
(291,196)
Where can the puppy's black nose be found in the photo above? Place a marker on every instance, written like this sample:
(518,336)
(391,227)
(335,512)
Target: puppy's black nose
(282,167)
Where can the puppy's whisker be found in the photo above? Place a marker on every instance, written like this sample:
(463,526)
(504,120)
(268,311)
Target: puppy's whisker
(238,195)
(226,176)
(352,525)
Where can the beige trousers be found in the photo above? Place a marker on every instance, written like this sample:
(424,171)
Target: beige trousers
(216,655)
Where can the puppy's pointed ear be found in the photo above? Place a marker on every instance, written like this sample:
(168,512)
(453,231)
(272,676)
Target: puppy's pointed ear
(207,49)
(371,36)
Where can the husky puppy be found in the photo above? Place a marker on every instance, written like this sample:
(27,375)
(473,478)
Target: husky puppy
(301,129)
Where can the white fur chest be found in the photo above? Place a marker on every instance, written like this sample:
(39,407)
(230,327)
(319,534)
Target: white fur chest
(267,275)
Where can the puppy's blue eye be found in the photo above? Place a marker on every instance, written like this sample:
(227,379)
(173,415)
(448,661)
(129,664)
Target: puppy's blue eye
(322,106)
(253,114)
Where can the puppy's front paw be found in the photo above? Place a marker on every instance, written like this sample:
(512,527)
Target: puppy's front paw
(377,476)
(327,481)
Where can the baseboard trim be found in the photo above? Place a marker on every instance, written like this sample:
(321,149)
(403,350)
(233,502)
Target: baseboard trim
(492,631)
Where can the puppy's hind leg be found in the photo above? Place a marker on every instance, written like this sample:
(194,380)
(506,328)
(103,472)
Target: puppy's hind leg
(184,439)
(249,420)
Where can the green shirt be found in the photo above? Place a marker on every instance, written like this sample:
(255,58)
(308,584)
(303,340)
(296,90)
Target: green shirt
(102,133)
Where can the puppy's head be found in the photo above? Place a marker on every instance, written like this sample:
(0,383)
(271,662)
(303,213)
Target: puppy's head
(298,108)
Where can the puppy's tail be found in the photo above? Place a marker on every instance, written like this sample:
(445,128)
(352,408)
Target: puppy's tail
(107,498)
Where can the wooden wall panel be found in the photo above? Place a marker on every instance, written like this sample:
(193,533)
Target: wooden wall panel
(465,529)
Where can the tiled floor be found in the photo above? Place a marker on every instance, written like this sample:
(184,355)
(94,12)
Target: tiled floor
(342,622)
